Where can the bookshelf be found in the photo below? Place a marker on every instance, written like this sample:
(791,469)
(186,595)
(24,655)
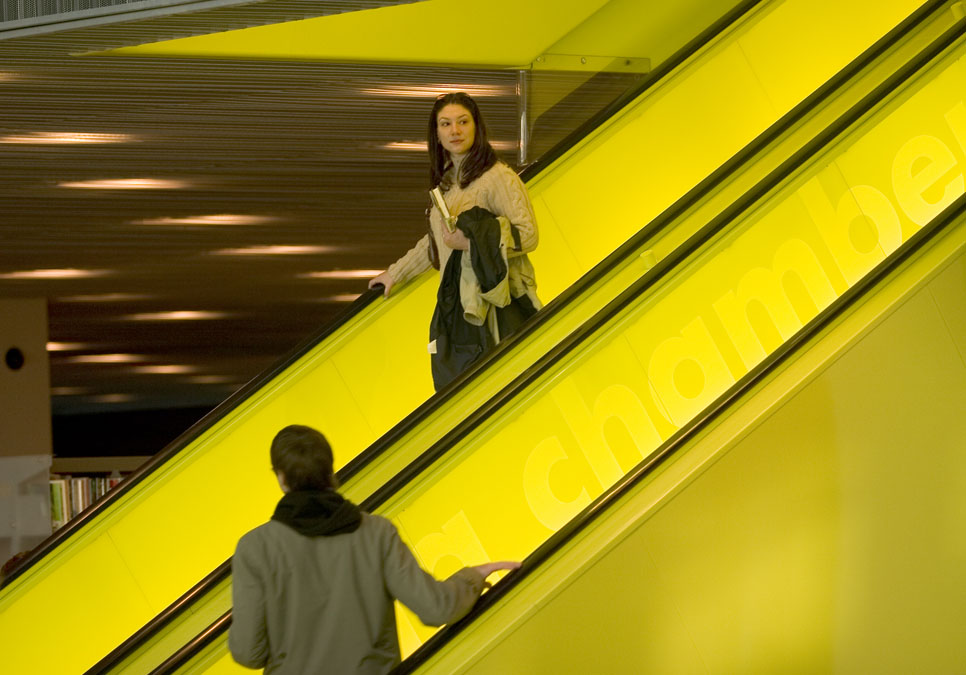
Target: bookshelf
(78,482)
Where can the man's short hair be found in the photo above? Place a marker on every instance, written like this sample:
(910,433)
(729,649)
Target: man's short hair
(304,458)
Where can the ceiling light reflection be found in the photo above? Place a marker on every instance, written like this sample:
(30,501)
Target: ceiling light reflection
(211,379)
(341,274)
(421,145)
(106,358)
(429,91)
(65,138)
(185,315)
(274,250)
(69,391)
(104,297)
(215,219)
(128,184)
(48,274)
(163,370)
(112,398)
(67,346)
(343,297)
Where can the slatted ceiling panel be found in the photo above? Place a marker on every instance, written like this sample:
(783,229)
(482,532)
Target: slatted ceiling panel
(296,141)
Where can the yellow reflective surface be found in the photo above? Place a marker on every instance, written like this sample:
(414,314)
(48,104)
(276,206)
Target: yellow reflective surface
(533,466)
(572,434)
(577,430)
(183,521)
(431,31)
(812,528)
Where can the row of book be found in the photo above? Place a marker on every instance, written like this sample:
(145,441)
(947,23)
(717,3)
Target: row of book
(69,495)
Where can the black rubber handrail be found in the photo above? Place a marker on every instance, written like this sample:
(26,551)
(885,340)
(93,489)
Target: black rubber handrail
(950,216)
(367,298)
(647,281)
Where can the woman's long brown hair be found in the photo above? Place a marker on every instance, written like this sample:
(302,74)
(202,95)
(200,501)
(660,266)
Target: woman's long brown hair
(481,155)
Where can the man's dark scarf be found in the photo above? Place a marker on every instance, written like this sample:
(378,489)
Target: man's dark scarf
(318,513)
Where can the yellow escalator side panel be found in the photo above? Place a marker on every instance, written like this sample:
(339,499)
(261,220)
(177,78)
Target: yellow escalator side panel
(949,297)
(913,160)
(554,260)
(734,305)
(185,497)
(814,528)
(98,575)
(214,659)
(757,285)
(386,366)
(176,527)
(797,46)
(792,553)
(321,397)
(649,159)
(223,666)
(655,641)
(679,134)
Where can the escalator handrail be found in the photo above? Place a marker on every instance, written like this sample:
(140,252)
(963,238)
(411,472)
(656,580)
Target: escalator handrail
(648,280)
(367,298)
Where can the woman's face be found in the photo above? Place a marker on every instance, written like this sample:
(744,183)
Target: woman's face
(456,129)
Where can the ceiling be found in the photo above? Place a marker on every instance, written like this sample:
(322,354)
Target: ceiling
(190,220)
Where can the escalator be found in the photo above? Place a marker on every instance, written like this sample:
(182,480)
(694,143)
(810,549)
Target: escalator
(807,524)
(140,550)
(738,296)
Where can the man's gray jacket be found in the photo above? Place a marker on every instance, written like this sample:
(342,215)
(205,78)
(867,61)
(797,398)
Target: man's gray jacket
(324,604)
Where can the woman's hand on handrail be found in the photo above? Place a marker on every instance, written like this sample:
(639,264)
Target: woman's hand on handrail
(383,279)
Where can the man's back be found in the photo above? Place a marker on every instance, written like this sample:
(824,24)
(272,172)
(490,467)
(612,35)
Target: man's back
(324,604)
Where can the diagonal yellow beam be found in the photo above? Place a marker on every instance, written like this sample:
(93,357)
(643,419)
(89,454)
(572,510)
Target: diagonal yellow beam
(492,33)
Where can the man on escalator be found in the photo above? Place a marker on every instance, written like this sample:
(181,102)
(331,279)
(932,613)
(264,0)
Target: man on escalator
(313,588)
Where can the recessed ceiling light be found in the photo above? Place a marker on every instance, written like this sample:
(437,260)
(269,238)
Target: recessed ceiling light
(112,398)
(67,346)
(104,297)
(421,145)
(406,145)
(430,91)
(274,250)
(343,297)
(127,184)
(341,274)
(211,379)
(163,370)
(186,315)
(54,274)
(215,219)
(105,358)
(65,138)
(69,391)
